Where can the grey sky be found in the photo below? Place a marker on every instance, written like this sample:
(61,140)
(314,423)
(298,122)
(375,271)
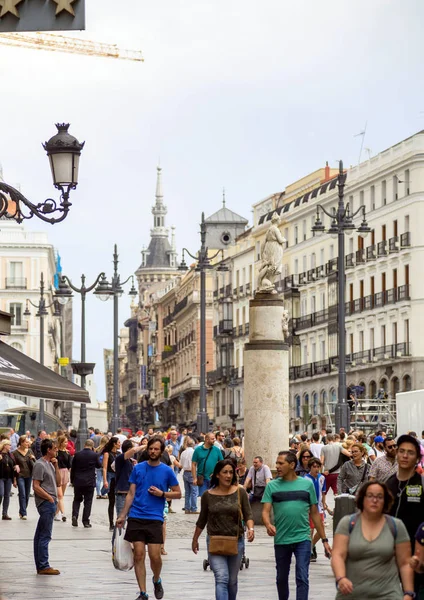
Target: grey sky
(234,93)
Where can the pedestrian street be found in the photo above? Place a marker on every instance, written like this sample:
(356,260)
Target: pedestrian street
(83,557)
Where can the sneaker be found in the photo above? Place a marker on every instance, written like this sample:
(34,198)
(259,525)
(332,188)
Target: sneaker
(6,518)
(57,518)
(87,525)
(158,588)
(111,528)
(48,571)
(313,558)
(74,522)
(23,517)
(143,596)
(314,552)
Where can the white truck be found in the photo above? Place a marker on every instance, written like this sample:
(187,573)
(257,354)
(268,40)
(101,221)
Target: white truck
(410,412)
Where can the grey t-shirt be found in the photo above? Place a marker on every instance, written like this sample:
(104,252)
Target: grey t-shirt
(331,453)
(262,475)
(371,566)
(45,472)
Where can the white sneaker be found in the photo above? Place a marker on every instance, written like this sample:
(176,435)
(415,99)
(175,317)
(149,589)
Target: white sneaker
(57,517)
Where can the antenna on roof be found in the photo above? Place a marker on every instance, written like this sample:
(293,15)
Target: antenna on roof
(223,197)
(362,134)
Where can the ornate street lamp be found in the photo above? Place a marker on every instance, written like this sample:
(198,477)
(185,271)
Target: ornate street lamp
(41,313)
(83,369)
(341,223)
(64,152)
(203,264)
(104,291)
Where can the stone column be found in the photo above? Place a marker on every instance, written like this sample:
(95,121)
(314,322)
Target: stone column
(266,381)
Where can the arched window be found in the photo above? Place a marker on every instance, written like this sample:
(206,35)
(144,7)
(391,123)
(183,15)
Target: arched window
(372,390)
(394,387)
(324,402)
(407,383)
(315,407)
(384,384)
(17,346)
(297,406)
(333,400)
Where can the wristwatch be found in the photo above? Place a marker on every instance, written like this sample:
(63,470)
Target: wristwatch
(324,540)
(251,529)
(410,594)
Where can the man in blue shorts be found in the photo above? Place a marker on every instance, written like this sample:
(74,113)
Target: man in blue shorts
(144,505)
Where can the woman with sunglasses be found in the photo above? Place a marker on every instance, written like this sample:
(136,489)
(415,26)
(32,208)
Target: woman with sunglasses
(302,468)
(371,549)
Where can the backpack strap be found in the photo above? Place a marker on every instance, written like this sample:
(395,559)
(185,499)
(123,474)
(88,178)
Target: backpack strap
(392,525)
(352,521)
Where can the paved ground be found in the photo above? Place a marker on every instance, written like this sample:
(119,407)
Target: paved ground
(84,559)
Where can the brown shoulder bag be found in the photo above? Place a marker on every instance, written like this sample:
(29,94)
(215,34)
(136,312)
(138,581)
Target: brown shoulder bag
(226,545)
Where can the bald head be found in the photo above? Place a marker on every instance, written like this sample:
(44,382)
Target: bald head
(89,444)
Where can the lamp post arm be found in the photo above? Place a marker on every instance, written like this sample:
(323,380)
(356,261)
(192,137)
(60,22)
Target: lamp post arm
(331,215)
(360,209)
(127,280)
(11,201)
(83,288)
(194,257)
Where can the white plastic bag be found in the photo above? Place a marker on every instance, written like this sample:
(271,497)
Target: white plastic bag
(122,552)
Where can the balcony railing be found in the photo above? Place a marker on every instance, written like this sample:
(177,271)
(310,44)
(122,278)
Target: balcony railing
(405,239)
(248,288)
(371,252)
(360,256)
(246,329)
(323,367)
(378,300)
(17,283)
(350,260)
(382,248)
(225,326)
(169,351)
(240,330)
(22,326)
(227,292)
(394,244)
(311,320)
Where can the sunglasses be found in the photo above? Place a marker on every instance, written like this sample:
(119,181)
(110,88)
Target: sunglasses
(391,447)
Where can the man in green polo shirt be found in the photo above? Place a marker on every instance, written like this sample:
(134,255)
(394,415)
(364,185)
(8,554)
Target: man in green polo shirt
(293,499)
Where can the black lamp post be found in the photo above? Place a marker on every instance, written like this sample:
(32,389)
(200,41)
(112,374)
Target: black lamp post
(203,264)
(341,223)
(64,151)
(104,292)
(41,313)
(83,368)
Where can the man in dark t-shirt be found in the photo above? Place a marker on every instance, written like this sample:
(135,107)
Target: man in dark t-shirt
(407,490)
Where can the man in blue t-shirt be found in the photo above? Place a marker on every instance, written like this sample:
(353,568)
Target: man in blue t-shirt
(144,505)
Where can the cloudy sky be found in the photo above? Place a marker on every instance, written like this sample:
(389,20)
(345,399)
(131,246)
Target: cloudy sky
(237,93)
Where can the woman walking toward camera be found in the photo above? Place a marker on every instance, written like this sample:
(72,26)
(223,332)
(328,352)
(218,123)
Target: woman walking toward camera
(224,510)
(371,549)
(25,460)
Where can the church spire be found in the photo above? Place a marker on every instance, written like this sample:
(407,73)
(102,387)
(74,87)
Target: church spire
(159,210)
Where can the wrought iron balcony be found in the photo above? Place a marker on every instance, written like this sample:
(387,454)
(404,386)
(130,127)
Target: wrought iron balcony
(16,283)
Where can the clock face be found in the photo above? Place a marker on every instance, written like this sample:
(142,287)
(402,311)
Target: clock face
(226,237)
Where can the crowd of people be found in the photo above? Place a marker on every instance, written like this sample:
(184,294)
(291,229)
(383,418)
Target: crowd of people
(377,551)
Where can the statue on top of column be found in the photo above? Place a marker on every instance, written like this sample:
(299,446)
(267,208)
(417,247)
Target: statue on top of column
(271,257)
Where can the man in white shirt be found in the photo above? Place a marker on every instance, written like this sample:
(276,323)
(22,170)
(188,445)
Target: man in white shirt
(219,438)
(191,491)
(316,447)
(121,436)
(257,478)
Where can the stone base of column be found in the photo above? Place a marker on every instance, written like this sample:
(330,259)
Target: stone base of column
(266,381)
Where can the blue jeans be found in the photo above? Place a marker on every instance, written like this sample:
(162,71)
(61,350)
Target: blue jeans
(43,534)
(24,487)
(283,556)
(99,483)
(202,488)
(226,570)
(190,490)
(5,489)
(119,503)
